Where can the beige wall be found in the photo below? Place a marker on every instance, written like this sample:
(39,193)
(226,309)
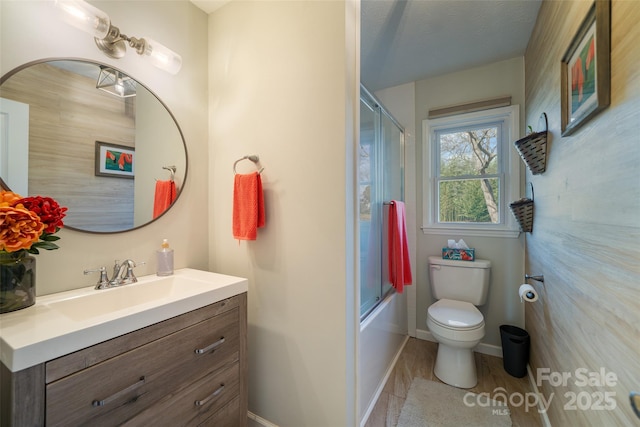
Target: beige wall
(284,87)
(28,31)
(586,225)
(506,254)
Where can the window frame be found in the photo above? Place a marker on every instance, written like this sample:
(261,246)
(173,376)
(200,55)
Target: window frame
(509,117)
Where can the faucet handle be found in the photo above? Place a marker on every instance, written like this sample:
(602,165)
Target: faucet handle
(132,263)
(129,277)
(103,281)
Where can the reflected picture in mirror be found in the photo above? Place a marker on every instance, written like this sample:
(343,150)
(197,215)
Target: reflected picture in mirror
(115,160)
(61,128)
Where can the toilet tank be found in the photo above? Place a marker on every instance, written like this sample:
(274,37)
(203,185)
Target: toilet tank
(460,280)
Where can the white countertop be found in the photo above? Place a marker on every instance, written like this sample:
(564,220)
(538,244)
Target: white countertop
(65,322)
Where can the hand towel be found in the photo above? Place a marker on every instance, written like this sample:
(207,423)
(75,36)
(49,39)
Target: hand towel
(399,262)
(164,197)
(248,206)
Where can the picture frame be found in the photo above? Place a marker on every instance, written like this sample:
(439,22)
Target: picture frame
(114,160)
(586,69)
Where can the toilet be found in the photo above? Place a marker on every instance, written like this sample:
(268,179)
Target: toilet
(455,322)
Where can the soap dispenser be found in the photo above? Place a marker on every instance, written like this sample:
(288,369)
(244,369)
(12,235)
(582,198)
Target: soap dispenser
(164,257)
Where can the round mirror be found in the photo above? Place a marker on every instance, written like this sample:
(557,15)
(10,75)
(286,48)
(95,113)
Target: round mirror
(92,138)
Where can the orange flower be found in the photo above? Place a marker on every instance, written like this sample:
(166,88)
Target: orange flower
(19,227)
(8,198)
(29,224)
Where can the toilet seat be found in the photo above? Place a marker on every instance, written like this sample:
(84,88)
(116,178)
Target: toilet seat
(457,315)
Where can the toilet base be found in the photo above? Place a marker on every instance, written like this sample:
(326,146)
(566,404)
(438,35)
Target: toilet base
(456,366)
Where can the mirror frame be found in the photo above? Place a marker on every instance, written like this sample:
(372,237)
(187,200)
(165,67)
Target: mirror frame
(14,71)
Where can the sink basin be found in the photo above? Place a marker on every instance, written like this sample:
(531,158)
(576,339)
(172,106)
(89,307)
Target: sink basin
(65,322)
(147,291)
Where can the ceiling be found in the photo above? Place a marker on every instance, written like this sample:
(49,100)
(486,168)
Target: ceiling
(407,40)
(210,5)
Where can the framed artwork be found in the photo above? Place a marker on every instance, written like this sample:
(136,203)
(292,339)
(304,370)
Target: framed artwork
(586,69)
(115,160)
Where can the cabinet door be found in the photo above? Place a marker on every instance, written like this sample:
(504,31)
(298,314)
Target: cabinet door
(114,391)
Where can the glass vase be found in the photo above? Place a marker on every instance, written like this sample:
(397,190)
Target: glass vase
(17,281)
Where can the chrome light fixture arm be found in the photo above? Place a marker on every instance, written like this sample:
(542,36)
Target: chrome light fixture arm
(111,41)
(113,44)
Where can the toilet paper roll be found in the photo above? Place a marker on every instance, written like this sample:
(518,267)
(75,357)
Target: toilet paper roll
(527,293)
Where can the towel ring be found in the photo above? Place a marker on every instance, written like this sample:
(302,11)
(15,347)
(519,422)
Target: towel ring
(255,159)
(171,169)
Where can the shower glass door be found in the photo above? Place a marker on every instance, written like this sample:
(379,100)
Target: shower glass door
(381,178)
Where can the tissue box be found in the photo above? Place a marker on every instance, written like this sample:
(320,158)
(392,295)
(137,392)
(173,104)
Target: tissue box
(459,254)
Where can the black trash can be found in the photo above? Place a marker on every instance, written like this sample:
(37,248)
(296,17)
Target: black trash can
(515,350)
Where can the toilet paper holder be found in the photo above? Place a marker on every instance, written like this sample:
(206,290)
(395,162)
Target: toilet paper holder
(536,278)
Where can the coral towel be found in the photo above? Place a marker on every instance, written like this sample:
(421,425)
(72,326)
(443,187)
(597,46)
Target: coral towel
(248,206)
(165,195)
(399,263)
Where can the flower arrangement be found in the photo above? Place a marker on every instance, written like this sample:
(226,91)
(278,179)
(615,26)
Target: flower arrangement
(28,224)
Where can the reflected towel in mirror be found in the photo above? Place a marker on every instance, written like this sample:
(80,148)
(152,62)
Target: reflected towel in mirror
(164,197)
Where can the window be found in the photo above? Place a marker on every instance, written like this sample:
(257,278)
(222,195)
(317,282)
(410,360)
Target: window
(471,173)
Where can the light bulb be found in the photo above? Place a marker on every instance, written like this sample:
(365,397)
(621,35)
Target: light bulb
(161,56)
(119,87)
(85,17)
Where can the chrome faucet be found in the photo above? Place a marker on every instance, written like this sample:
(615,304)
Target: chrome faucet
(122,274)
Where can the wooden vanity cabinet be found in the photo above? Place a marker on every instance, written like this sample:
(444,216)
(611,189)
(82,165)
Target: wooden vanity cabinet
(190,370)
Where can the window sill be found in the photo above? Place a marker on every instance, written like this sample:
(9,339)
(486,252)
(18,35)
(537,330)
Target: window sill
(479,232)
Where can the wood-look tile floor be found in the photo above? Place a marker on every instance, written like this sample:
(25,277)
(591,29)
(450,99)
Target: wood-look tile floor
(418,360)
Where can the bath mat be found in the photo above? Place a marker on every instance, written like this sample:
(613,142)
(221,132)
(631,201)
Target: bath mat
(434,404)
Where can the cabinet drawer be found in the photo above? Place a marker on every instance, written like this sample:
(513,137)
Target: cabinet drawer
(229,416)
(194,403)
(83,359)
(114,391)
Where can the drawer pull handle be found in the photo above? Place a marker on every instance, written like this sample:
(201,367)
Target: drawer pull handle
(211,396)
(209,347)
(114,396)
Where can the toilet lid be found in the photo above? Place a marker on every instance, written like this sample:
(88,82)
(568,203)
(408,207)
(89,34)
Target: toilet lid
(455,314)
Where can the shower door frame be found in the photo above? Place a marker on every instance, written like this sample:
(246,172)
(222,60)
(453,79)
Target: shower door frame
(381,209)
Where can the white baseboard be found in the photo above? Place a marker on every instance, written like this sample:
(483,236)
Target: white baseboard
(260,420)
(376,395)
(543,413)
(489,349)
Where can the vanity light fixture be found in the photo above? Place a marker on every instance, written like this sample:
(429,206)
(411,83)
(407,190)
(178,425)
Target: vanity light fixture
(109,40)
(116,82)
